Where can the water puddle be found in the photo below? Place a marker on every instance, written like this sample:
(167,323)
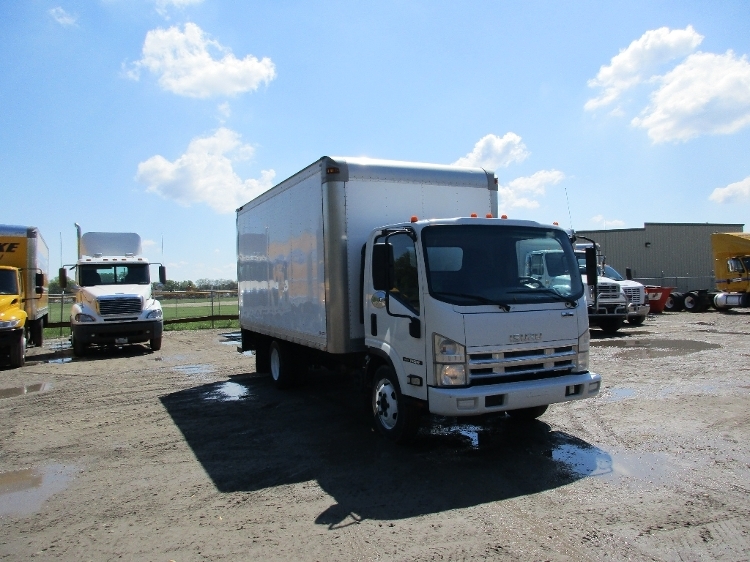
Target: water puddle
(616,394)
(227,392)
(23,492)
(61,360)
(59,345)
(650,349)
(21,390)
(592,461)
(196,370)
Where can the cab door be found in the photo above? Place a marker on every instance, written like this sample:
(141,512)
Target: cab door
(394,319)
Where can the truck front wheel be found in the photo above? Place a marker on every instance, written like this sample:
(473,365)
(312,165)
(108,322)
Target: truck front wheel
(37,332)
(395,417)
(79,348)
(527,413)
(155,344)
(611,325)
(281,365)
(18,352)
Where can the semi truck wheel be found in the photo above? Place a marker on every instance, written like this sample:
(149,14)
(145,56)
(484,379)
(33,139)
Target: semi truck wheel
(527,413)
(395,417)
(693,302)
(636,320)
(79,348)
(611,326)
(155,344)
(281,365)
(18,352)
(675,302)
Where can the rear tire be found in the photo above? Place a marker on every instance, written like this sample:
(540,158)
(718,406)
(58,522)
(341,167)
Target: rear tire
(395,416)
(526,414)
(155,344)
(675,302)
(282,365)
(693,302)
(37,332)
(18,352)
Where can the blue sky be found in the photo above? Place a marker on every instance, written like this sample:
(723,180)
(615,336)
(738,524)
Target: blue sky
(162,116)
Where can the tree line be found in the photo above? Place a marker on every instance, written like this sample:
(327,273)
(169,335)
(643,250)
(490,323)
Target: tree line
(199,285)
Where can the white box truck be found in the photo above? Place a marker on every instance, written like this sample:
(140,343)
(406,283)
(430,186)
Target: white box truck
(114,304)
(401,270)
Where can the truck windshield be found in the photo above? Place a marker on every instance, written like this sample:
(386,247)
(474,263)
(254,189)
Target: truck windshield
(486,264)
(8,282)
(105,274)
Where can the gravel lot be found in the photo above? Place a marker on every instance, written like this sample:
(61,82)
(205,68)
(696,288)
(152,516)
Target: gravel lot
(186,454)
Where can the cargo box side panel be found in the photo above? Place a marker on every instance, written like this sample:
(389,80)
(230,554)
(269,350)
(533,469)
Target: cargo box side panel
(38,260)
(280,266)
(372,203)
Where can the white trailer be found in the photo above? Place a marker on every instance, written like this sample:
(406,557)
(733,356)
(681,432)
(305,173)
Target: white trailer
(402,271)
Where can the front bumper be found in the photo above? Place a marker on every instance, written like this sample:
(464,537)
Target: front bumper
(638,310)
(10,337)
(117,333)
(477,400)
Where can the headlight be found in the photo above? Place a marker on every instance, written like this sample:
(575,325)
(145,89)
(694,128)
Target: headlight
(154,314)
(583,352)
(450,361)
(84,318)
(5,324)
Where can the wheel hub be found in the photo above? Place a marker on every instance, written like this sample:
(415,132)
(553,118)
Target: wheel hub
(386,404)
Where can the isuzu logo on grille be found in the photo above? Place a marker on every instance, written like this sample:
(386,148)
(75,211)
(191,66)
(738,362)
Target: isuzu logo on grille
(520,338)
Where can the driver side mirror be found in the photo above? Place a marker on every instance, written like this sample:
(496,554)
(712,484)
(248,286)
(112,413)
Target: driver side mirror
(63,277)
(162,275)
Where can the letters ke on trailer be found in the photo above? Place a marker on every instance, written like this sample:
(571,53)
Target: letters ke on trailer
(401,271)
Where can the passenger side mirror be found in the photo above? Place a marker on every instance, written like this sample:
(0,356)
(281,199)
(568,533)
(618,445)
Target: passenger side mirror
(39,279)
(162,275)
(63,277)
(592,271)
(628,274)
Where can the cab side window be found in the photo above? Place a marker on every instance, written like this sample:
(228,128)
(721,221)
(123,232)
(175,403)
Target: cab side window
(405,278)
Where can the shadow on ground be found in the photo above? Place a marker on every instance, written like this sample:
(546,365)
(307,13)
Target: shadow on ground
(249,436)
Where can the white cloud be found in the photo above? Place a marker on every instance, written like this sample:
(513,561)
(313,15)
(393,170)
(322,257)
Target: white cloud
(62,17)
(146,243)
(224,110)
(492,152)
(641,60)
(607,223)
(185,65)
(162,5)
(706,94)
(523,192)
(735,192)
(204,174)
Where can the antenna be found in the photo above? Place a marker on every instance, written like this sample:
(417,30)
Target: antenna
(567,202)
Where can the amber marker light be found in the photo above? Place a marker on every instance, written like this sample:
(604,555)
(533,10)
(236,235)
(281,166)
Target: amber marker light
(488,216)
(473,215)
(414,218)
(556,223)
(504,217)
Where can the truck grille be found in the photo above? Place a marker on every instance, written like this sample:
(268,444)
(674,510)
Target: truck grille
(633,294)
(492,368)
(119,305)
(609,290)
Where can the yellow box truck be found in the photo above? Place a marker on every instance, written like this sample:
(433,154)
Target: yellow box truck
(24,293)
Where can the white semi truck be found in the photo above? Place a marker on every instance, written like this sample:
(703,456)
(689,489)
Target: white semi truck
(401,271)
(114,304)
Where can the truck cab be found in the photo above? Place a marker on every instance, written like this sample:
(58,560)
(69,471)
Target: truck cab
(463,331)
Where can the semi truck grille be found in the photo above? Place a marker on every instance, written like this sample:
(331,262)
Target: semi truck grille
(608,290)
(120,305)
(634,294)
(492,368)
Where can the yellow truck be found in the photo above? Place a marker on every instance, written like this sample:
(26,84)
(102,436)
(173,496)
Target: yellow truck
(731,252)
(24,293)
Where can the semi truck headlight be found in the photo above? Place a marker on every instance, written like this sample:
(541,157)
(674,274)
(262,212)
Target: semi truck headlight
(450,361)
(154,314)
(84,318)
(6,324)
(583,352)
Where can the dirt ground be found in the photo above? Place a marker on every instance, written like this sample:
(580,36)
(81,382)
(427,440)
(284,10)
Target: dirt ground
(186,454)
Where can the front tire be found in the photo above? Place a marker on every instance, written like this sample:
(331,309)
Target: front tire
(281,365)
(611,326)
(37,332)
(155,344)
(526,414)
(18,352)
(394,415)
(636,320)
(79,348)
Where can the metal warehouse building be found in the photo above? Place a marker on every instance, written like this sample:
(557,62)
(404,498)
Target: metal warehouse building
(674,254)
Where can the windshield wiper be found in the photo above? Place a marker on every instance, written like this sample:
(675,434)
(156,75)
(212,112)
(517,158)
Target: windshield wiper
(548,291)
(479,298)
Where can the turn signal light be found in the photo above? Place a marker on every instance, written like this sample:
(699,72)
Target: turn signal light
(504,217)
(488,215)
(473,215)
(414,218)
